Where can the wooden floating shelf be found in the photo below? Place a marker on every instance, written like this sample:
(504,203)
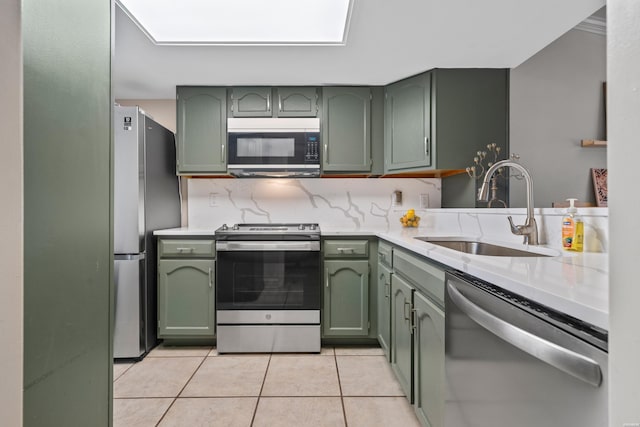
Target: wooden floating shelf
(593,143)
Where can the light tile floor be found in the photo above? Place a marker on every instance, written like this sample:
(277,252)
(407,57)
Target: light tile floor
(194,386)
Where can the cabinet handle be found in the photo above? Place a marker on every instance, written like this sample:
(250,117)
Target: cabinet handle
(414,320)
(222,155)
(346,249)
(387,288)
(185,249)
(326,149)
(406,304)
(326,277)
(268,102)
(426,146)
(210,277)
(279,102)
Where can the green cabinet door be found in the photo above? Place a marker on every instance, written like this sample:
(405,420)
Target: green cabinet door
(384,309)
(402,343)
(202,130)
(408,124)
(251,102)
(297,102)
(346,129)
(346,298)
(186,302)
(428,361)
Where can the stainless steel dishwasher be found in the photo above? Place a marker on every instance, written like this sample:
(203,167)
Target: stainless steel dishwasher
(512,362)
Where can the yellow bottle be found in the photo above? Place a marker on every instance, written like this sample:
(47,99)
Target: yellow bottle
(572,229)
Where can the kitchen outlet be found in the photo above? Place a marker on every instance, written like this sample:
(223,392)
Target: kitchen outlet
(396,198)
(424,201)
(213,200)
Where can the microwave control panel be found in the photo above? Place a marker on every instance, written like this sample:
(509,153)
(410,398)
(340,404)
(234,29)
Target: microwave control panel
(312,153)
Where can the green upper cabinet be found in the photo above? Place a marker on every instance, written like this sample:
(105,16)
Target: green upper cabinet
(202,130)
(346,129)
(273,102)
(297,102)
(346,298)
(408,124)
(438,120)
(251,102)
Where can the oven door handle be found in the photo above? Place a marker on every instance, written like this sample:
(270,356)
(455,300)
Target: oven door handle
(268,246)
(574,364)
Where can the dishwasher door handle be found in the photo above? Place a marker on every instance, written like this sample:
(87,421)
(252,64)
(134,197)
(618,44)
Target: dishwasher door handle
(574,364)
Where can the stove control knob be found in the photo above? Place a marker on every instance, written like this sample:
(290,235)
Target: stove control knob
(313,227)
(224,227)
(236,227)
(301,227)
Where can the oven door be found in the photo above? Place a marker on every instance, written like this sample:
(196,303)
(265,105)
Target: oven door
(270,275)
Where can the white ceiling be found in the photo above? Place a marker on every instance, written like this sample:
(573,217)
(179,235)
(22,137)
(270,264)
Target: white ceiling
(387,41)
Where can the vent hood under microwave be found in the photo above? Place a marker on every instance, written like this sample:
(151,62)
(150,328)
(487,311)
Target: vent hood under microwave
(273,147)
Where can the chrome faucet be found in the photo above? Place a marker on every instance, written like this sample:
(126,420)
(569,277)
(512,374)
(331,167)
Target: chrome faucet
(530,229)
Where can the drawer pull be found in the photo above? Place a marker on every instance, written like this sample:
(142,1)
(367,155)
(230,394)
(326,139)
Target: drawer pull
(185,249)
(346,249)
(210,277)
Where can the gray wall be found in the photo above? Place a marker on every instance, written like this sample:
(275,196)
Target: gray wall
(11,214)
(624,293)
(67,213)
(556,100)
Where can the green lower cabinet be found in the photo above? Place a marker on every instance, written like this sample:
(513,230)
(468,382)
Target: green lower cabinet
(186,298)
(346,298)
(428,368)
(402,343)
(384,309)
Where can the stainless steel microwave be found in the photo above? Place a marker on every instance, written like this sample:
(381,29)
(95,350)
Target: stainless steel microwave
(273,147)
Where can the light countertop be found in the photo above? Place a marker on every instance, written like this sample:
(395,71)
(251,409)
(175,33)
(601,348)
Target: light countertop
(573,283)
(186,232)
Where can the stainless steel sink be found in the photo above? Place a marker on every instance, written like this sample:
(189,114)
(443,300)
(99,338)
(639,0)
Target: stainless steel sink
(480,248)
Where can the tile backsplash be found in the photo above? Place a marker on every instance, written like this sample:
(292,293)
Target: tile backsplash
(351,203)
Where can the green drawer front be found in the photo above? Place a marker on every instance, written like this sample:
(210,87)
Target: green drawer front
(385,254)
(187,248)
(425,276)
(346,248)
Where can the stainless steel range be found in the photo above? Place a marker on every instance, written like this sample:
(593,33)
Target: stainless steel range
(268,288)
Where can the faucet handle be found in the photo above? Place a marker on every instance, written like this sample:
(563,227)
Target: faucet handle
(515,229)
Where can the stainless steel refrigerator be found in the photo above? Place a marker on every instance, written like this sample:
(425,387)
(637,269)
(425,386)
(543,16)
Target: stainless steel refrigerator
(146,198)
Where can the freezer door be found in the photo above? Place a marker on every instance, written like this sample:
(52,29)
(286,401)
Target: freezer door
(128,180)
(128,340)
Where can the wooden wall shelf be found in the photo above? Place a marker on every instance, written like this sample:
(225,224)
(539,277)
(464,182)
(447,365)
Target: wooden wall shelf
(593,143)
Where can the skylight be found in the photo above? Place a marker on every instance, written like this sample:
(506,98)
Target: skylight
(241,22)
